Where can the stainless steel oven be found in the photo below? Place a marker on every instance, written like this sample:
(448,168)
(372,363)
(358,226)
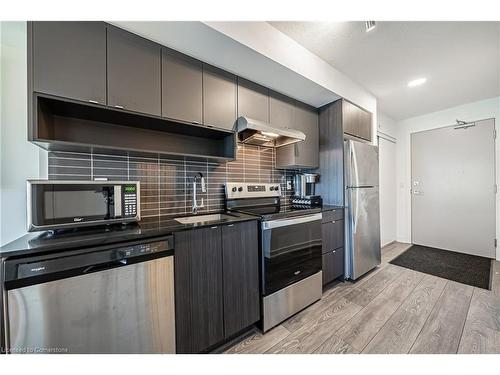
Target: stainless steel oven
(291,266)
(67,204)
(291,250)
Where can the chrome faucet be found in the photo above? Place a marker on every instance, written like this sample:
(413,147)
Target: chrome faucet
(195,207)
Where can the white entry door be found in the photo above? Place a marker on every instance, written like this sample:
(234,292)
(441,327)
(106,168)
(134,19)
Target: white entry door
(453,188)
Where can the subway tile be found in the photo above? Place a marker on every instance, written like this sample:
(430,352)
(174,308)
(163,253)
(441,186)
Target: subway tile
(166,183)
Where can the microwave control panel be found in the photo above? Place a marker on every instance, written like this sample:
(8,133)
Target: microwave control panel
(130,200)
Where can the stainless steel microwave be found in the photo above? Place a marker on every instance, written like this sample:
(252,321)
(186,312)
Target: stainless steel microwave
(70,204)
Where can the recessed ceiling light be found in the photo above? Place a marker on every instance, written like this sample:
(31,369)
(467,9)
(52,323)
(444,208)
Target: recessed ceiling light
(417,82)
(370,25)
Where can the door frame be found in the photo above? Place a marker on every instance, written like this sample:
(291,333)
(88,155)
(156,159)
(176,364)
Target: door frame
(495,166)
(391,139)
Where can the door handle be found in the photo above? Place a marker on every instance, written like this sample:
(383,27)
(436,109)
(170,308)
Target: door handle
(417,192)
(105,266)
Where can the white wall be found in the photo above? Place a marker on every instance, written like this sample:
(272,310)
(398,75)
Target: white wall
(20,160)
(386,125)
(1,154)
(489,108)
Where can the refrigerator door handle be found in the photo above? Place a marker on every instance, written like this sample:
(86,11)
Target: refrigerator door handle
(354,166)
(355,208)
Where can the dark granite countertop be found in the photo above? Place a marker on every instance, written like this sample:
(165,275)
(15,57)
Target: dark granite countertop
(328,207)
(148,228)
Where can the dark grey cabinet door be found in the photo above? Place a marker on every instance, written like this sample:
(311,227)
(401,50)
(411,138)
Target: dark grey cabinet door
(333,265)
(253,100)
(281,110)
(365,127)
(69,59)
(306,120)
(303,154)
(219,98)
(331,153)
(356,121)
(350,118)
(198,289)
(332,235)
(133,72)
(240,257)
(182,81)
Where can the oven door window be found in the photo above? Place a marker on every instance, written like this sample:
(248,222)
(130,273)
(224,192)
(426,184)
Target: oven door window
(66,204)
(290,253)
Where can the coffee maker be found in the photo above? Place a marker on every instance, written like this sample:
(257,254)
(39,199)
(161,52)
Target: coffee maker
(305,191)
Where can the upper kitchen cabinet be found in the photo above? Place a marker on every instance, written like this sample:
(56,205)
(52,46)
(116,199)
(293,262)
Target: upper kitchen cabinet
(303,154)
(69,59)
(182,82)
(281,110)
(219,98)
(133,72)
(253,100)
(356,121)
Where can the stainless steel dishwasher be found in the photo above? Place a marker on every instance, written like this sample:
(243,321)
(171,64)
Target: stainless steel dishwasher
(117,300)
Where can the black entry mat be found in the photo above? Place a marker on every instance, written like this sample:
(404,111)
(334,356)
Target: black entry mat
(463,268)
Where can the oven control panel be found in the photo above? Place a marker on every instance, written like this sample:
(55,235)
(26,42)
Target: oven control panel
(235,190)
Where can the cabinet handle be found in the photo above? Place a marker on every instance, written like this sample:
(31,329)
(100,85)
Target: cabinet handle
(213,227)
(231,225)
(93,101)
(333,221)
(195,122)
(119,106)
(334,251)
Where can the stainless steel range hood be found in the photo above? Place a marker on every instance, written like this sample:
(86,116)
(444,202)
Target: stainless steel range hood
(259,133)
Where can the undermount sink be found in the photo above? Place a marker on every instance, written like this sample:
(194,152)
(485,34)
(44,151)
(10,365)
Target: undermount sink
(203,218)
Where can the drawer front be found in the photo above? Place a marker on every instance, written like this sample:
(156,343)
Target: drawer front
(337,214)
(333,265)
(332,234)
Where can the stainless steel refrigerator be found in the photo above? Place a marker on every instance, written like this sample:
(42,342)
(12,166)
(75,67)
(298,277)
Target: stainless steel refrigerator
(363,250)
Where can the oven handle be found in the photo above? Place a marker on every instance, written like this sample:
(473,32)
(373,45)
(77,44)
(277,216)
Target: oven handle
(285,222)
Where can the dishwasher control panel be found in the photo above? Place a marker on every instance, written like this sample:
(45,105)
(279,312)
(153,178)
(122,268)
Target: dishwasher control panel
(147,248)
(85,262)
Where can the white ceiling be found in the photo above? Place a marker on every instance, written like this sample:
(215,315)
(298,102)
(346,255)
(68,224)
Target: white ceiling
(461,60)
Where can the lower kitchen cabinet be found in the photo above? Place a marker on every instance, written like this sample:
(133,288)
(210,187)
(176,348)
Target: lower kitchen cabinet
(332,233)
(240,261)
(333,265)
(198,289)
(216,284)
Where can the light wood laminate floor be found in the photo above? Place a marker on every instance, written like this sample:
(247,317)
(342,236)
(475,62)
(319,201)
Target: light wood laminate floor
(390,310)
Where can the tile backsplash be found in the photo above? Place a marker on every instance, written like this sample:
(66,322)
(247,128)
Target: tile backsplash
(166,184)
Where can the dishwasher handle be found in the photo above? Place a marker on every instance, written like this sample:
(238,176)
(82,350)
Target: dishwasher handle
(105,266)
